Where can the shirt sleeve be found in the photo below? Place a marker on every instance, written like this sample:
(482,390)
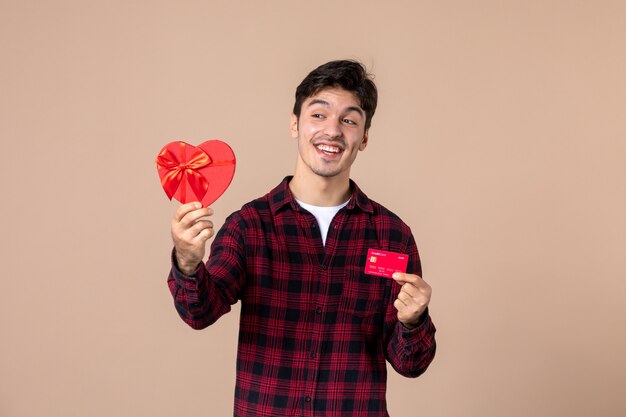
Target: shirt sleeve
(409,351)
(206,295)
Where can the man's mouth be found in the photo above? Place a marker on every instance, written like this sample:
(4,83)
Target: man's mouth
(328,149)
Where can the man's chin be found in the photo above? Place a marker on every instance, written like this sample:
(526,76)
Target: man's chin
(326,173)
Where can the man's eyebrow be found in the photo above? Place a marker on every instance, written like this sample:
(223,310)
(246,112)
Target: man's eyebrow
(326,104)
(318,101)
(356,109)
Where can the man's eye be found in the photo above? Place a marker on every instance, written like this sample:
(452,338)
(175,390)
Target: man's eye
(318,116)
(349,121)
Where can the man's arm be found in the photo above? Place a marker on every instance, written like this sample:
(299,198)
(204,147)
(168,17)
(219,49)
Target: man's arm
(409,330)
(201,299)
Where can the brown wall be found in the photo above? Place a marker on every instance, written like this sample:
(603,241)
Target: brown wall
(500,138)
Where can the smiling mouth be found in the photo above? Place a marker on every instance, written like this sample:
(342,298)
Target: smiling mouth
(328,149)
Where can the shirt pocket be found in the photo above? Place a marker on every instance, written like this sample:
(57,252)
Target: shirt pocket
(362,302)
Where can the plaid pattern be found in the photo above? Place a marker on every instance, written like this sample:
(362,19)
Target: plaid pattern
(314,330)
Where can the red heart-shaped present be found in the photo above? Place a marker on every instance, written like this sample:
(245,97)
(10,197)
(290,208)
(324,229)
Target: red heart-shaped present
(196,173)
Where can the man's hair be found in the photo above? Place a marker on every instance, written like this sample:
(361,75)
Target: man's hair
(346,74)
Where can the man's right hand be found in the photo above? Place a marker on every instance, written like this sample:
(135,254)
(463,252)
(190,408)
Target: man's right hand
(190,233)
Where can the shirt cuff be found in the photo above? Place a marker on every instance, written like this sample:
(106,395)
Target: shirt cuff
(185,281)
(419,332)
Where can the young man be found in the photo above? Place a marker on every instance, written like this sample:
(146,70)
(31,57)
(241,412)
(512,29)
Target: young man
(315,330)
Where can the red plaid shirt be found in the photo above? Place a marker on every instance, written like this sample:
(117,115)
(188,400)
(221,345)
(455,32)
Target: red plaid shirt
(314,330)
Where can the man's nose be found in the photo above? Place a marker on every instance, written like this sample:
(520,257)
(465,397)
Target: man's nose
(332,128)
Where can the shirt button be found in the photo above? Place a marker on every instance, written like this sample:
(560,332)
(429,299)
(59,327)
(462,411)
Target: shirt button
(318,310)
(313,355)
(323,266)
(307,399)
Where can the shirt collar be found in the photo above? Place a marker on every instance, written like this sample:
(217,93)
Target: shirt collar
(281,197)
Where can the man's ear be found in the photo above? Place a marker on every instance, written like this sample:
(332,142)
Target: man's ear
(364,141)
(293,126)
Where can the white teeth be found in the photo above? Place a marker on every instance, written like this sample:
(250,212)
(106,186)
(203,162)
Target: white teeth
(327,148)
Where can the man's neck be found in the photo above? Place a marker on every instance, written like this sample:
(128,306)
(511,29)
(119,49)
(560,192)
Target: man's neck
(320,191)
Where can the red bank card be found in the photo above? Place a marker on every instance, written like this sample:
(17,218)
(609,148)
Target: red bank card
(383,264)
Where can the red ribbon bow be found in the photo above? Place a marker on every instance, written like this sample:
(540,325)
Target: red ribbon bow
(180,170)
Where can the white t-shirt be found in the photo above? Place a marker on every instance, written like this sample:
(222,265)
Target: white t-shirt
(323,215)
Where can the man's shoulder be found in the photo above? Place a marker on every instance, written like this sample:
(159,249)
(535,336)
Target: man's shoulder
(381,210)
(384,215)
(261,208)
(392,232)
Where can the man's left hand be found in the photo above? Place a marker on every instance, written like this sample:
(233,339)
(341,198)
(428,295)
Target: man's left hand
(413,298)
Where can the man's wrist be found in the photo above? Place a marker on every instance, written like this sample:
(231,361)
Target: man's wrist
(417,323)
(410,326)
(187,268)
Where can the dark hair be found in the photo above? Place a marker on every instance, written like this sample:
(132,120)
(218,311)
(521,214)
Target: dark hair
(347,74)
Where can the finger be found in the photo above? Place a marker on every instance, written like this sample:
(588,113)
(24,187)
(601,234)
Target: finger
(186,208)
(402,278)
(198,227)
(411,290)
(188,236)
(193,216)
(419,294)
(406,298)
(399,305)
(411,305)
(204,235)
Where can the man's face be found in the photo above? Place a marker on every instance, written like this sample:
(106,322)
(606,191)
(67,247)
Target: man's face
(330,132)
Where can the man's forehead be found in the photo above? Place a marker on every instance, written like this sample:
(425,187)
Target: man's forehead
(329,96)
